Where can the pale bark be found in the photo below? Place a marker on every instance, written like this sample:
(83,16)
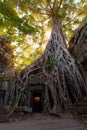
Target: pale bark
(57,70)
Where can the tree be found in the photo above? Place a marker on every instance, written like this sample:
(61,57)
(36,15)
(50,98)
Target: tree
(11,17)
(55,67)
(6,56)
(6,70)
(15,28)
(19,19)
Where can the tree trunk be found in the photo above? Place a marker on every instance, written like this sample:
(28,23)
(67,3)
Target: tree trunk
(66,83)
(63,82)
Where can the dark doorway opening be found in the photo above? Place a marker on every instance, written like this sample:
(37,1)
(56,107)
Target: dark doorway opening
(37,101)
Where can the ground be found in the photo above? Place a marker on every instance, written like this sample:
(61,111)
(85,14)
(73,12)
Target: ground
(43,122)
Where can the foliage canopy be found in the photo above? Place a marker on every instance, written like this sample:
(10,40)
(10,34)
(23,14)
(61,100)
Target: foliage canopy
(27,22)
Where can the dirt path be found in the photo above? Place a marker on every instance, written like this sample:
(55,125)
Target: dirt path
(44,123)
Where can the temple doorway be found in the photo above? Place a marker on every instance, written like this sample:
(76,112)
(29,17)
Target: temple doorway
(37,101)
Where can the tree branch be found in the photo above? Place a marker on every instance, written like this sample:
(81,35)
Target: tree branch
(59,6)
(44,8)
(54,4)
(52,11)
(44,19)
(72,20)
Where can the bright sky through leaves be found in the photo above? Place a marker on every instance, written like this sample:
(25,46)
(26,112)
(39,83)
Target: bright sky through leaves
(27,33)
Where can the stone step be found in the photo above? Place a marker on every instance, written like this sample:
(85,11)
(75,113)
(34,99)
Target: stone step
(84,115)
(3,118)
(78,105)
(82,103)
(79,110)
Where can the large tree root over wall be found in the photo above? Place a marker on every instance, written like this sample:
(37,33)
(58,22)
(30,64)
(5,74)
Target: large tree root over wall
(57,70)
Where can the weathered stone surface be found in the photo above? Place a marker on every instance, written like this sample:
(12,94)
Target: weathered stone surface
(79,109)
(3,118)
(78,44)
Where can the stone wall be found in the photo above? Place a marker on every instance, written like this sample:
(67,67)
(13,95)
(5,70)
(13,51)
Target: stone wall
(78,47)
